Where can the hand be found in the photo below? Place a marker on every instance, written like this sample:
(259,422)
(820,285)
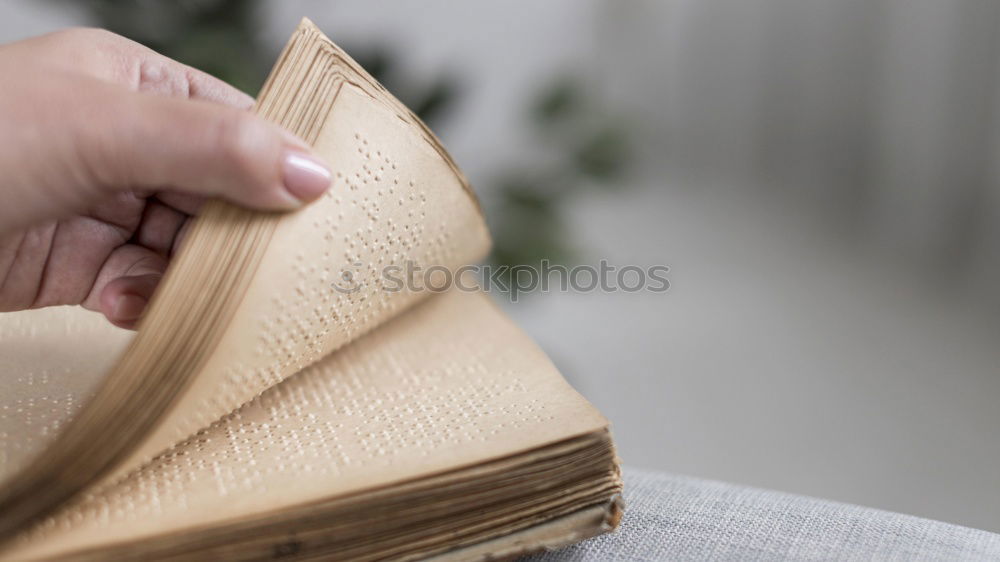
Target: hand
(106,150)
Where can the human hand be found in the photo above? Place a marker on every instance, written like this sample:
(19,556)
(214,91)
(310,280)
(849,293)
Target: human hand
(107,149)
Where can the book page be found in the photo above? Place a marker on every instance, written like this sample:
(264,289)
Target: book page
(51,362)
(394,203)
(450,383)
(253,297)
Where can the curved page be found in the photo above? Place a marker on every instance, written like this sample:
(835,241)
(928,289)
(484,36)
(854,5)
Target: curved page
(451,383)
(274,298)
(394,204)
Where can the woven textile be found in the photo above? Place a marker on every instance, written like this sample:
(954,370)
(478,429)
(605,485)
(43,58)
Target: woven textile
(671,517)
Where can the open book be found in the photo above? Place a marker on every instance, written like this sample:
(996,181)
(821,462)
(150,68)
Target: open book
(282,399)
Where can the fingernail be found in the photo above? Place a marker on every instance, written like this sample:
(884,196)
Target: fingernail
(305,177)
(128,307)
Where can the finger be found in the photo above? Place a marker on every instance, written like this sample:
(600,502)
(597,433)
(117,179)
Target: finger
(125,283)
(187,205)
(58,263)
(159,227)
(179,239)
(124,299)
(202,149)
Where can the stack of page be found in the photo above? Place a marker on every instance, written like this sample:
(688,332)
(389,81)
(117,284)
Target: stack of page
(284,397)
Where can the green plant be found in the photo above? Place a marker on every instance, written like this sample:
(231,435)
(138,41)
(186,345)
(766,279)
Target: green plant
(588,148)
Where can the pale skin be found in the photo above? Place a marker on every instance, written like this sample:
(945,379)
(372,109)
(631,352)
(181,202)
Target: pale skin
(107,149)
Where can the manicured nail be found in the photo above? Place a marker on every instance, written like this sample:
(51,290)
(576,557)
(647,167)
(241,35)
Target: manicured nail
(128,307)
(305,176)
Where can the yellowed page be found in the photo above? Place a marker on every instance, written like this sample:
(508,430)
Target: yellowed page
(250,298)
(450,383)
(394,200)
(51,362)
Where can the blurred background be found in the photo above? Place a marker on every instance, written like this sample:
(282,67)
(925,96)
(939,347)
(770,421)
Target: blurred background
(821,176)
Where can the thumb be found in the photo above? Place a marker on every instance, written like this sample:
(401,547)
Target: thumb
(155,142)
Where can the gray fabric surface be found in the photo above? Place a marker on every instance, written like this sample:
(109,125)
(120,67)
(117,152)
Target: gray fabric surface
(671,517)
